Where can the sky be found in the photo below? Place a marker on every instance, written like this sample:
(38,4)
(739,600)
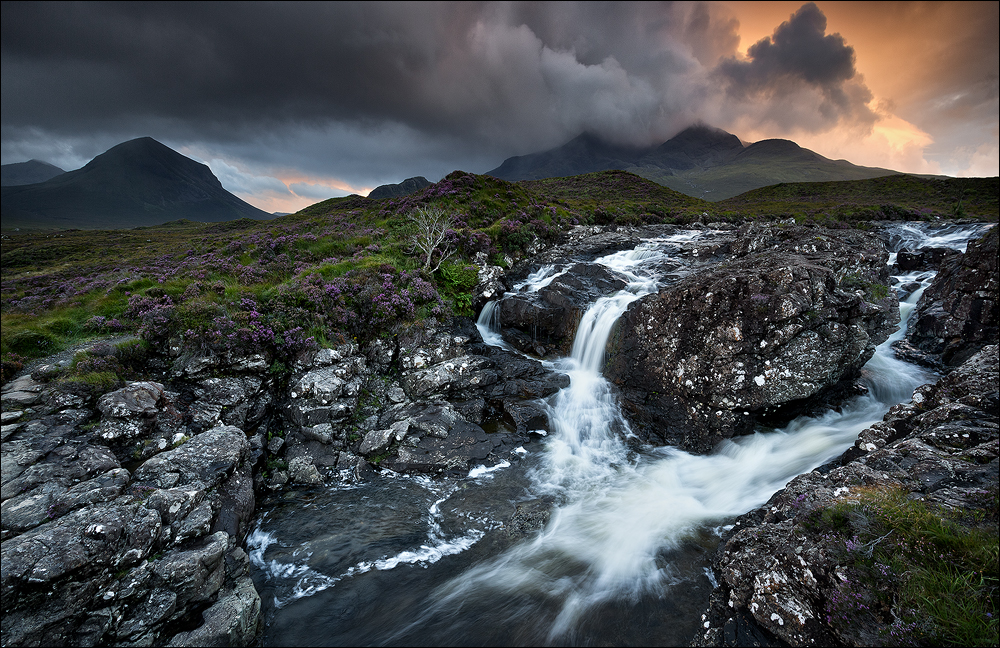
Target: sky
(292,103)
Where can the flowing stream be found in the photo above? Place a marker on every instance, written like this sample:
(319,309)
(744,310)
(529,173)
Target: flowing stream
(624,558)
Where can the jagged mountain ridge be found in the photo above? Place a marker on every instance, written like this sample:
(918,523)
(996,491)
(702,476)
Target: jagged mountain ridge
(137,183)
(700,161)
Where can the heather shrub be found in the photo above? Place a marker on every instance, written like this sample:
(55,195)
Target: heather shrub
(10,365)
(915,573)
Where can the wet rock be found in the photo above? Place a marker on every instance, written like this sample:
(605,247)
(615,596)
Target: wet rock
(467,444)
(275,444)
(209,458)
(327,391)
(489,284)
(545,321)
(79,545)
(461,377)
(529,517)
(302,471)
(233,620)
(780,572)
(796,313)
(929,258)
(958,313)
(230,399)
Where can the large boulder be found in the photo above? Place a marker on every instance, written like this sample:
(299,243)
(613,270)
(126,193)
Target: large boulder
(958,313)
(793,314)
(545,321)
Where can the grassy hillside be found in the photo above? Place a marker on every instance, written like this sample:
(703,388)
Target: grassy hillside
(340,269)
(760,164)
(895,196)
(617,196)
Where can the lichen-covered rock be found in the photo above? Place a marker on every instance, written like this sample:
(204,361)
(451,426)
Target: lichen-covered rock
(489,283)
(129,412)
(795,313)
(958,313)
(94,555)
(782,576)
(209,458)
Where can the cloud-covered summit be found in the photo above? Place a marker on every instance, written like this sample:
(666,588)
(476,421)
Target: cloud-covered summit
(351,95)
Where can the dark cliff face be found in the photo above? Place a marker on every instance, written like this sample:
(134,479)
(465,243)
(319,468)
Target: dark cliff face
(790,314)
(958,314)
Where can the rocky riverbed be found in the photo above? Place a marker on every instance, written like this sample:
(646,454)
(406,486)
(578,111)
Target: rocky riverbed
(125,514)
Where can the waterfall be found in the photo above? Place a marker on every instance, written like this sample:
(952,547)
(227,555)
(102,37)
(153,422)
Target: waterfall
(400,559)
(620,512)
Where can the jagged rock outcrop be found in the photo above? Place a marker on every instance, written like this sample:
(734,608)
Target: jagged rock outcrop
(786,577)
(123,515)
(424,406)
(792,314)
(958,313)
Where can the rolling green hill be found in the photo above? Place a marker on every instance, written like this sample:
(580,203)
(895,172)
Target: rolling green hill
(894,196)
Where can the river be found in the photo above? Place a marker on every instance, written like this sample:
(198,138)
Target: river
(625,555)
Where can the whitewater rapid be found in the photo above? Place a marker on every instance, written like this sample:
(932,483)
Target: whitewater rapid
(626,528)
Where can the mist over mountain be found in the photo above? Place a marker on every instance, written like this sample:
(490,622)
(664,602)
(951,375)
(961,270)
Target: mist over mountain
(30,172)
(137,183)
(700,161)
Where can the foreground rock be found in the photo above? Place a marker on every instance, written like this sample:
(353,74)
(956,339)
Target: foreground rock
(786,577)
(95,553)
(792,315)
(958,313)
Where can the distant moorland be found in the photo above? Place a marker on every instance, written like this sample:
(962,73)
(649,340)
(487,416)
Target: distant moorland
(346,268)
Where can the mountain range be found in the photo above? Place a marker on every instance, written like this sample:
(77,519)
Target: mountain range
(700,161)
(137,183)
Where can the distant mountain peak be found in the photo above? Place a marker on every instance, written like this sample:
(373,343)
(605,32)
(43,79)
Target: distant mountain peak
(700,161)
(25,173)
(135,183)
(404,188)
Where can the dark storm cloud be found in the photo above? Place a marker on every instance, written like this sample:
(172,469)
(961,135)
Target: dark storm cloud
(369,93)
(510,75)
(798,58)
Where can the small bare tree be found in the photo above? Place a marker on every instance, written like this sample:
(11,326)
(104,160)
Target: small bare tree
(432,226)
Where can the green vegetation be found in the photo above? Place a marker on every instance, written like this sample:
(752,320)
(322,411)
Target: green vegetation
(914,571)
(894,197)
(347,268)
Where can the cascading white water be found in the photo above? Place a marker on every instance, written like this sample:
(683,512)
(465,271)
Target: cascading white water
(618,541)
(621,511)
